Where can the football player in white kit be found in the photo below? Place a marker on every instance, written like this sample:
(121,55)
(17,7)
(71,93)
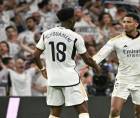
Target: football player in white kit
(60,45)
(127,47)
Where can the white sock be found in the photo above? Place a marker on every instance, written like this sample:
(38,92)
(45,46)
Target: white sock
(84,115)
(51,116)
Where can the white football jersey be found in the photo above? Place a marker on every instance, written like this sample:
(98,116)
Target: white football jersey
(128,53)
(60,46)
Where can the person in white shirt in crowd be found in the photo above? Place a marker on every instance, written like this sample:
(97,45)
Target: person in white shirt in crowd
(127,47)
(111,9)
(86,27)
(39,83)
(60,45)
(46,11)
(13,42)
(24,79)
(22,10)
(4,80)
(105,25)
(21,80)
(121,12)
(95,8)
(4,21)
(8,63)
(33,5)
(27,37)
(69,3)
(58,2)
(39,19)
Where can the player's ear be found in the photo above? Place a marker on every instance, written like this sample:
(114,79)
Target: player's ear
(137,24)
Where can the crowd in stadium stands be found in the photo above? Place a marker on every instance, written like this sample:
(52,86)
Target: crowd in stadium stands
(23,21)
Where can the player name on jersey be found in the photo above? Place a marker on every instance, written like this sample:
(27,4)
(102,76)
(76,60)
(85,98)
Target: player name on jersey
(59,34)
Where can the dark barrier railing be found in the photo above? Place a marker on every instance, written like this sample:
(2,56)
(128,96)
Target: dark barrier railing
(35,107)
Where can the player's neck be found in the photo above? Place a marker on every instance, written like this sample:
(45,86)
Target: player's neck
(133,34)
(67,26)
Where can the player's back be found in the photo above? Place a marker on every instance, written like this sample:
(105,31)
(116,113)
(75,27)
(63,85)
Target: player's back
(60,48)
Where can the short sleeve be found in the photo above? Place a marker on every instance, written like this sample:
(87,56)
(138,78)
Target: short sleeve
(80,45)
(40,45)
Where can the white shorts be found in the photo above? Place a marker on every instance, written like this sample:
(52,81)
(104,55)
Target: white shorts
(124,90)
(73,95)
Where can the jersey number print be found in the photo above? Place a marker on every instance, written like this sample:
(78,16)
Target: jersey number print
(58,51)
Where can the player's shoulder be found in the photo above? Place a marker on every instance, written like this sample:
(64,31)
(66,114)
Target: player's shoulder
(118,37)
(75,34)
(49,30)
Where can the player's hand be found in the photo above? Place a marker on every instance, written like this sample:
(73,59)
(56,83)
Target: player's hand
(98,70)
(44,73)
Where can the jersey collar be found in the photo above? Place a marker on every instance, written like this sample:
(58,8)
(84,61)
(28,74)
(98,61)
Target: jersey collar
(132,36)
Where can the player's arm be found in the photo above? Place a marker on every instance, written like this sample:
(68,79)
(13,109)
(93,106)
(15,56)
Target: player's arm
(103,52)
(40,47)
(89,61)
(81,49)
(37,54)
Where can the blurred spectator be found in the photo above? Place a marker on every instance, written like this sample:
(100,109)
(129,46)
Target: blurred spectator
(21,12)
(4,21)
(95,9)
(85,26)
(39,20)
(89,40)
(4,49)
(46,11)
(27,37)
(33,5)
(68,3)
(39,83)
(9,62)
(58,2)
(116,30)
(105,22)
(103,84)
(55,7)
(4,80)
(21,79)
(12,39)
(121,12)
(111,9)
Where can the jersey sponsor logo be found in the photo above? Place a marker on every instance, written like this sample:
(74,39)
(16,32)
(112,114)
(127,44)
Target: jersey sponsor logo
(116,85)
(131,52)
(125,46)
